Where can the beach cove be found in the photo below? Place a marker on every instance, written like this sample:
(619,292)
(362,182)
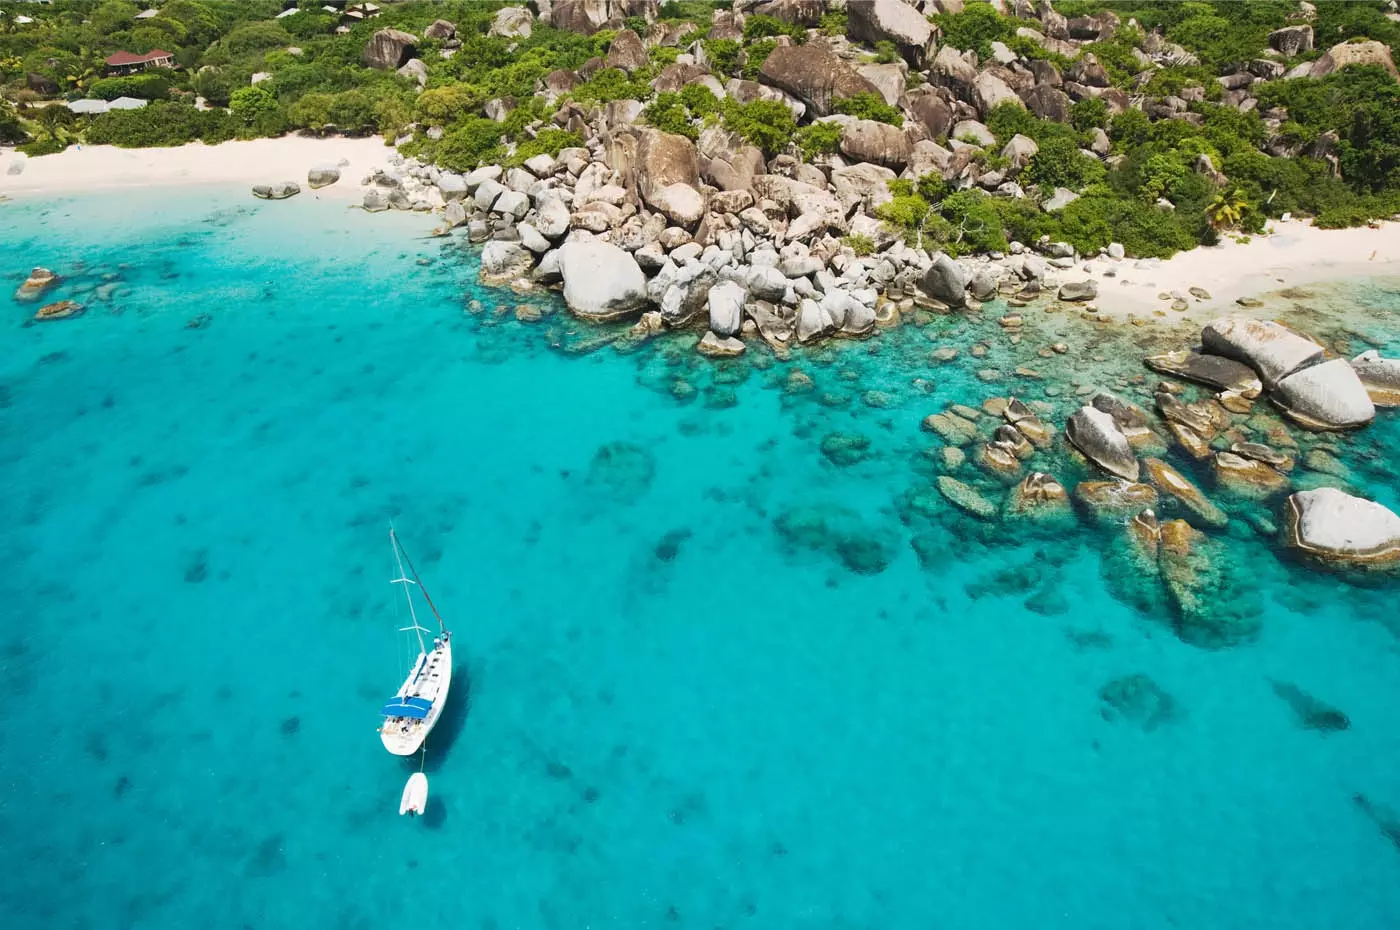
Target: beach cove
(707,675)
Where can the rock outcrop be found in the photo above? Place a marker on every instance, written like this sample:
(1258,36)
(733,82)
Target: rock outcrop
(945,280)
(872,21)
(1271,349)
(1328,396)
(814,75)
(1346,54)
(1215,371)
(1337,528)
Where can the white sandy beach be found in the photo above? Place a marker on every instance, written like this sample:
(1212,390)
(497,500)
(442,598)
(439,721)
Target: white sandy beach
(1290,254)
(259,161)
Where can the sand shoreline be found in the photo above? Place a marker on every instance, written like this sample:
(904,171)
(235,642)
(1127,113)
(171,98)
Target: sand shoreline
(257,161)
(1290,254)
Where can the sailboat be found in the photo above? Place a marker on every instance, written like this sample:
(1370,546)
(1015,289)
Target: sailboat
(411,714)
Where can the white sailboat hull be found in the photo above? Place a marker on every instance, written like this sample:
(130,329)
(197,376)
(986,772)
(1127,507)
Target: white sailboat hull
(430,679)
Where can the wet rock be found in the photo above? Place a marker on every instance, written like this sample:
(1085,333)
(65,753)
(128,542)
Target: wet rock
(39,281)
(838,532)
(1114,501)
(1097,435)
(1204,418)
(998,460)
(1247,478)
(845,449)
(1335,528)
(1326,396)
(1189,440)
(1138,700)
(954,429)
(1271,349)
(1173,484)
(1311,713)
(713,346)
(1039,497)
(966,498)
(1215,371)
(280,190)
(1380,376)
(62,310)
(1262,453)
(1036,431)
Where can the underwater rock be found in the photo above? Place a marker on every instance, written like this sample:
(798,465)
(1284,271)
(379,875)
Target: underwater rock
(1381,377)
(61,310)
(39,280)
(1247,478)
(1383,817)
(1011,438)
(622,469)
(845,448)
(1262,453)
(953,429)
(1336,528)
(1137,699)
(1214,609)
(966,498)
(669,546)
(1271,349)
(1172,483)
(838,532)
(1326,396)
(998,460)
(1312,714)
(1098,436)
(1192,444)
(1113,501)
(1204,418)
(1036,431)
(1214,371)
(712,346)
(1039,497)
(1128,415)
(1325,463)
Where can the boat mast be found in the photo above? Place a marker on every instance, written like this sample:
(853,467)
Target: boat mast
(398,548)
(404,580)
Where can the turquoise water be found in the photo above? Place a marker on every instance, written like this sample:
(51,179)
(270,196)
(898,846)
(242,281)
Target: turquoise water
(668,712)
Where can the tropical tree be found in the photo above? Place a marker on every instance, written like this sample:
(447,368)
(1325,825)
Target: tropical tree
(1226,209)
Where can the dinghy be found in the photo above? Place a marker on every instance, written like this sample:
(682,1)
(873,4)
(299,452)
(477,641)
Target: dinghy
(415,795)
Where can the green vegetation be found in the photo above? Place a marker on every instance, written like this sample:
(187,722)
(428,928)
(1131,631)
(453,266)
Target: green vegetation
(767,124)
(976,28)
(870,106)
(818,139)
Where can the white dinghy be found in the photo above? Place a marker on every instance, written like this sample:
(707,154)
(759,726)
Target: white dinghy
(415,795)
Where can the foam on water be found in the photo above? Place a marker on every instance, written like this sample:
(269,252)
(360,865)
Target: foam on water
(666,711)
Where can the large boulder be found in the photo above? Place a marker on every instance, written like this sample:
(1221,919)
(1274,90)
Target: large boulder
(945,280)
(727,161)
(1271,349)
(601,281)
(726,306)
(1381,377)
(795,12)
(1096,434)
(867,140)
(581,16)
(681,203)
(281,190)
(389,50)
(1328,395)
(1047,102)
(1335,527)
(951,70)
(1346,54)
(814,75)
(512,22)
(552,217)
(872,21)
(503,261)
(989,91)
(626,52)
(441,29)
(322,175)
(664,159)
(865,184)
(1292,40)
(931,110)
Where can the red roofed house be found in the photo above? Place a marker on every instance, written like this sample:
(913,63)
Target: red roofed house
(127,63)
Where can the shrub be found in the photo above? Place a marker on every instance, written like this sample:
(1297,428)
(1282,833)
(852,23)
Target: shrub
(757,26)
(754,57)
(450,103)
(11,129)
(867,105)
(248,103)
(143,86)
(668,113)
(975,225)
(819,139)
(160,123)
(547,142)
(1059,163)
(1089,113)
(699,100)
(767,124)
(612,84)
(859,243)
(833,23)
(46,146)
(885,52)
(723,55)
(976,27)
(469,144)
(256,37)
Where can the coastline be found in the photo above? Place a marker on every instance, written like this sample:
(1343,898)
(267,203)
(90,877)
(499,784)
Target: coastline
(1291,253)
(256,161)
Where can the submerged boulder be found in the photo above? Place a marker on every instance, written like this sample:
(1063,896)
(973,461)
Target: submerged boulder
(1327,396)
(1040,498)
(1172,483)
(1138,700)
(1271,349)
(1334,527)
(1214,607)
(966,498)
(838,532)
(601,281)
(1096,434)
(1114,501)
(39,280)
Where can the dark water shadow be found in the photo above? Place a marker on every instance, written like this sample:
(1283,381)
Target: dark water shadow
(454,720)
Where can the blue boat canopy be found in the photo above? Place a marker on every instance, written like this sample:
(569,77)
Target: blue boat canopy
(414,707)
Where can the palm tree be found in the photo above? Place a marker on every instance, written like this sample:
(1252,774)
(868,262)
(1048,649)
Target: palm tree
(1226,209)
(55,119)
